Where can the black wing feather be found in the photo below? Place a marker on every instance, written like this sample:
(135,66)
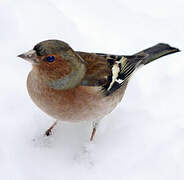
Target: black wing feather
(127,65)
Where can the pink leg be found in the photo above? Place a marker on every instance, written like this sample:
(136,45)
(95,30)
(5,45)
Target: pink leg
(95,124)
(49,131)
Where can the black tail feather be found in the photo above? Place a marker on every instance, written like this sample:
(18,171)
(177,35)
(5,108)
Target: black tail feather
(156,52)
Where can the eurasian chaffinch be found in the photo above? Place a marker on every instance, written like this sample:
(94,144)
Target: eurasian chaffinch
(79,86)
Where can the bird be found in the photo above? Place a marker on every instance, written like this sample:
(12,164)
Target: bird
(77,86)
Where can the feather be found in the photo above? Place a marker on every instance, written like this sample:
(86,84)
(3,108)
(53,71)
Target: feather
(122,68)
(108,71)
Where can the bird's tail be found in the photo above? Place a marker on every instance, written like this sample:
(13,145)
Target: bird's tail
(156,52)
(124,66)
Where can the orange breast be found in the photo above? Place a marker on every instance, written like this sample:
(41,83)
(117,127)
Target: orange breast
(77,104)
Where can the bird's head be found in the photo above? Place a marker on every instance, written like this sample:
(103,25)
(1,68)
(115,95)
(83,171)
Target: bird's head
(55,60)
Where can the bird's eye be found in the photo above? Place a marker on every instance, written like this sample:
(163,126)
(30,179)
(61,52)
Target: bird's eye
(50,58)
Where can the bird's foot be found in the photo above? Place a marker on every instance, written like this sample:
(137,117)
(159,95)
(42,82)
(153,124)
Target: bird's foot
(49,131)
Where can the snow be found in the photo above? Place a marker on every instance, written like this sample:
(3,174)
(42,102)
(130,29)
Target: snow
(144,136)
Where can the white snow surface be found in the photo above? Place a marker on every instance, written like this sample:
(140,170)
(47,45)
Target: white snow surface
(143,138)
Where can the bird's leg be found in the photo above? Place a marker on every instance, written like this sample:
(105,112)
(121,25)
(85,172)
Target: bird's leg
(95,125)
(49,131)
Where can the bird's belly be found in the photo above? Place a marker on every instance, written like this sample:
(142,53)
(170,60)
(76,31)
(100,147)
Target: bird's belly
(77,104)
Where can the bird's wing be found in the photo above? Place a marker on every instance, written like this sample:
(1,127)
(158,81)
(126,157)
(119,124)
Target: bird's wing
(108,71)
(98,69)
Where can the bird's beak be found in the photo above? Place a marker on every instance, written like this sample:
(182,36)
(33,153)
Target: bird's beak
(30,56)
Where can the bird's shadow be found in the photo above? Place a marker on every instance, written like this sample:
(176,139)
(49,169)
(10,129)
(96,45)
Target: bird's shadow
(72,139)
(69,139)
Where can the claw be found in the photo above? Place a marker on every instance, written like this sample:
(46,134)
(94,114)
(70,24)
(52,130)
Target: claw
(49,131)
